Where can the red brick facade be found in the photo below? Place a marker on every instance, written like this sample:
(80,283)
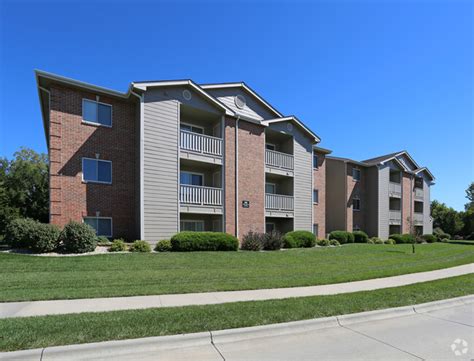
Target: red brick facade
(407,202)
(70,140)
(319,183)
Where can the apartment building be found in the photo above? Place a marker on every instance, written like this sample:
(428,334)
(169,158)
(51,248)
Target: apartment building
(168,156)
(381,196)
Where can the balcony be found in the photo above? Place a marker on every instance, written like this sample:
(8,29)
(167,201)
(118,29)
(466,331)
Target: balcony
(394,217)
(419,194)
(278,162)
(199,199)
(418,219)
(395,189)
(278,205)
(201,147)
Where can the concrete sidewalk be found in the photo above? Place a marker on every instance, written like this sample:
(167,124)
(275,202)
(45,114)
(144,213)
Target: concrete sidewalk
(56,307)
(433,331)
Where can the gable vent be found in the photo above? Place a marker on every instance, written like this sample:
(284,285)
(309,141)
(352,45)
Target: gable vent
(240,101)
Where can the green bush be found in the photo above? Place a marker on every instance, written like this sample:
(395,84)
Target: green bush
(390,241)
(323,242)
(140,246)
(163,246)
(18,232)
(118,245)
(444,236)
(397,237)
(252,241)
(103,241)
(378,241)
(430,238)
(360,237)
(272,241)
(342,236)
(408,238)
(78,238)
(297,239)
(45,238)
(204,241)
(370,241)
(334,242)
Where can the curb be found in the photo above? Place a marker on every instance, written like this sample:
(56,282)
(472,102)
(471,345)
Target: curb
(132,347)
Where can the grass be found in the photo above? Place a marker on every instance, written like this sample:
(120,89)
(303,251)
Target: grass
(24,277)
(35,332)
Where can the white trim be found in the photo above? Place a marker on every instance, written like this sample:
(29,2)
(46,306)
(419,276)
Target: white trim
(111,225)
(98,123)
(297,121)
(97,160)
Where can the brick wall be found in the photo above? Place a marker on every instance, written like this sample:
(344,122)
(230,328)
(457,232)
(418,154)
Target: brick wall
(407,199)
(319,183)
(355,188)
(70,140)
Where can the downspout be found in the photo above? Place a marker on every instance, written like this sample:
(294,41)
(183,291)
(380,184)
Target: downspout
(237,176)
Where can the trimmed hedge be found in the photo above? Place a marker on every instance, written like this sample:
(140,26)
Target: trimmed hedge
(297,239)
(334,242)
(203,241)
(78,238)
(252,241)
(163,246)
(18,232)
(118,245)
(323,242)
(342,236)
(390,241)
(140,246)
(430,238)
(360,237)
(45,238)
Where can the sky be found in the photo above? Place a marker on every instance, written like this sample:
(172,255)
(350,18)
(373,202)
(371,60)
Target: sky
(369,77)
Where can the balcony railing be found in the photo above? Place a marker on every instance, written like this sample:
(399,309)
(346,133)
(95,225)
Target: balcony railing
(200,143)
(279,159)
(279,202)
(197,195)
(418,218)
(395,189)
(418,193)
(394,215)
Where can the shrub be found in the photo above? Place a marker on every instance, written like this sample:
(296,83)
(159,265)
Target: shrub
(18,232)
(378,241)
(458,238)
(397,237)
(163,246)
(252,241)
(445,236)
(78,238)
(370,241)
(342,236)
(272,241)
(408,238)
(204,241)
(360,237)
(45,238)
(298,239)
(391,241)
(430,238)
(470,237)
(103,241)
(118,245)
(323,242)
(140,246)
(334,242)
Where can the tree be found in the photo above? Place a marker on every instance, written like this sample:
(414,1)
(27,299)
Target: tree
(24,187)
(446,218)
(470,197)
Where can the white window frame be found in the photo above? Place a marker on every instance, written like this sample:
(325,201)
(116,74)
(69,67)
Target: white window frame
(354,170)
(273,224)
(317,191)
(358,199)
(272,145)
(97,181)
(111,225)
(192,221)
(192,126)
(192,173)
(271,184)
(94,123)
(317,161)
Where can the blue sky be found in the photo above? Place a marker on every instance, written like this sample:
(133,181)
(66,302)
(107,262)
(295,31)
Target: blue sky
(368,77)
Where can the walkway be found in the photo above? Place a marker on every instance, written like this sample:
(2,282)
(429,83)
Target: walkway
(57,307)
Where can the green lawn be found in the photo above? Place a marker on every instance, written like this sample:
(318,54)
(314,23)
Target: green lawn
(35,332)
(25,277)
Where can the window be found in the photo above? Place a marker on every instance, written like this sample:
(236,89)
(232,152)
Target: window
(356,174)
(193,179)
(193,226)
(96,113)
(315,229)
(419,182)
(270,146)
(96,170)
(315,196)
(270,188)
(270,227)
(191,128)
(356,203)
(101,225)
(315,161)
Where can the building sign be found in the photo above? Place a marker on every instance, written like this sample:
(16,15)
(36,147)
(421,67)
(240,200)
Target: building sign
(245,204)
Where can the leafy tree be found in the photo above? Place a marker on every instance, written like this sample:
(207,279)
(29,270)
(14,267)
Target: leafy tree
(24,187)
(446,218)
(470,197)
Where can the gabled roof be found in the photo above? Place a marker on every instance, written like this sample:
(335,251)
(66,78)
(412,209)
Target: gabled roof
(322,150)
(245,87)
(143,85)
(348,160)
(424,170)
(389,157)
(295,120)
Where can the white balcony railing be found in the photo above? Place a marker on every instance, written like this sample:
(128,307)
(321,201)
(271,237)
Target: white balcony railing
(278,159)
(418,193)
(204,196)
(279,202)
(418,218)
(395,216)
(395,189)
(200,143)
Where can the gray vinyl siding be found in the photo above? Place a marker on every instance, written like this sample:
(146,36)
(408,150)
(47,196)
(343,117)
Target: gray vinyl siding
(335,195)
(253,108)
(303,176)
(160,166)
(383,201)
(371,223)
(427,222)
